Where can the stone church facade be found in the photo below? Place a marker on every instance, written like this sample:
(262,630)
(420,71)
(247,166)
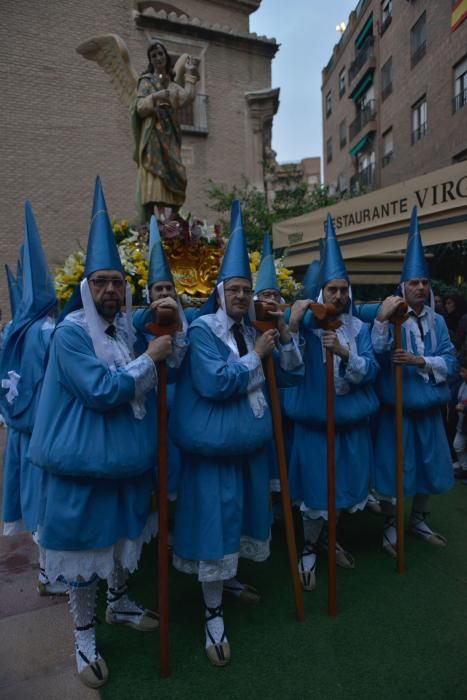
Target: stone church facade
(62,122)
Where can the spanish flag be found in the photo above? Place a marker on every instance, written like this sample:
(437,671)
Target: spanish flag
(458,14)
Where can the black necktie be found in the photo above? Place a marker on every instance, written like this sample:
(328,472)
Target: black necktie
(111,330)
(239,339)
(419,324)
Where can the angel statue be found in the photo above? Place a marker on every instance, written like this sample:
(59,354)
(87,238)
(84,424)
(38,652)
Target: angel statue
(153,98)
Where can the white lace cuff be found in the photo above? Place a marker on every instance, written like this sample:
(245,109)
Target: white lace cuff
(380,336)
(436,367)
(180,346)
(253,361)
(356,368)
(143,371)
(290,355)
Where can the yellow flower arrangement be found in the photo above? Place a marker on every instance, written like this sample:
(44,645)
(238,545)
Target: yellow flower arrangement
(194,266)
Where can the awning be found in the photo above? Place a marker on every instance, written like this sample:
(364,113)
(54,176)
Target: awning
(367,29)
(378,222)
(358,147)
(363,85)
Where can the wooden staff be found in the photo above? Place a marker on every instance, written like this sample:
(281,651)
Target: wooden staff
(165,323)
(263,323)
(325,314)
(398,319)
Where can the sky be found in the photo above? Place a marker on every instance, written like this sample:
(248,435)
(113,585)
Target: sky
(307,35)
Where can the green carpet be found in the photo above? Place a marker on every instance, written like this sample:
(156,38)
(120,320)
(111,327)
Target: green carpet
(395,637)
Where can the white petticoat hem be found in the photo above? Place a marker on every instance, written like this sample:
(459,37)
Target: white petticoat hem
(275,485)
(85,564)
(315,513)
(14,527)
(225,568)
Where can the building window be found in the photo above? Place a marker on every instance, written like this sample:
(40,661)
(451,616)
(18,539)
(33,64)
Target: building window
(388,147)
(342,133)
(460,157)
(418,40)
(386,15)
(328,104)
(342,184)
(329,150)
(419,120)
(386,79)
(342,82)
(460,85)
(365,177)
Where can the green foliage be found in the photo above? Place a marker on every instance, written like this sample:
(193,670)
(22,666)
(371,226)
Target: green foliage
(292,200)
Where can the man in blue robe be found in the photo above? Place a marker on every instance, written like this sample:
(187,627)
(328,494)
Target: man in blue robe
(95,437)
(221,421)
(162,294)
(22,368)
(355,401)
(428,361)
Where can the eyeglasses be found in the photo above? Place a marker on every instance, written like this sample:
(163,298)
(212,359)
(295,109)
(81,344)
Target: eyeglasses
(270,296)
(102,282)
(236,291)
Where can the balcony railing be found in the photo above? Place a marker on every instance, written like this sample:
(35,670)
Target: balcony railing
(418,54)
(385,24)
(365,52)
(365,179)
(459,101)
(387,158)
(418,133)
(366,114)
(194,117)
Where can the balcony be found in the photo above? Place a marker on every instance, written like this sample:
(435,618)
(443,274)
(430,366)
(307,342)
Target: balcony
(194,117)
(387,158)
(364,180)
(365,118)
(418,133)
(385,24)
(459,101)
(364,58)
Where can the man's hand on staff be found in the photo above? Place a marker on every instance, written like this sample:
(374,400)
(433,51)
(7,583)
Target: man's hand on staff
(159,348)
(402,357)
(331,342)
(168,303)
(266,342)
(297,314)
(389,307)
(281,324)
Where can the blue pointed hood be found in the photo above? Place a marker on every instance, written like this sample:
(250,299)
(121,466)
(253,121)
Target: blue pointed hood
(332,262)
(310,281)
(38,289)
(415,266)
(159,268)
(102,251)
(267,246)
(235,262)
(266,277)
(14,291)
(37,299)
(19,268)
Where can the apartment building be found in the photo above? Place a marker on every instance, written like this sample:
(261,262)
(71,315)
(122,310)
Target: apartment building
(394,94)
